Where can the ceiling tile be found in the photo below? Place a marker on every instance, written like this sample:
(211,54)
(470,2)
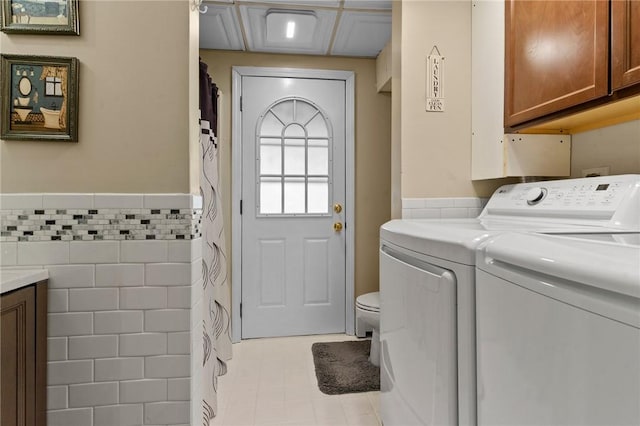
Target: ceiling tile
(254,21)
(362,34)
(220,28)
(368,4)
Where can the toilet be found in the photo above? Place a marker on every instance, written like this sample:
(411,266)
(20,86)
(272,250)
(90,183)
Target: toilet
(368,319)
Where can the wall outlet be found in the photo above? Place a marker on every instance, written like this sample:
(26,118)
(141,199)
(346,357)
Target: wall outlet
(596,171)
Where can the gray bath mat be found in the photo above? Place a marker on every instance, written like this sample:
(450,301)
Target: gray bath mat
(344,367)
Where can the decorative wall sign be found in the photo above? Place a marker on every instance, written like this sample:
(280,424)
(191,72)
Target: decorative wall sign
(435,86)
(40,98)
(39,17)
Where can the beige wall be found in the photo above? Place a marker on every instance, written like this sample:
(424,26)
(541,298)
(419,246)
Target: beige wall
(373,124)
(134,103)
(436,146)
(616,146)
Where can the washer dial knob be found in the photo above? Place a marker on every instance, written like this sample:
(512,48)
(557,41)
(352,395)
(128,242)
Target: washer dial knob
(535,195)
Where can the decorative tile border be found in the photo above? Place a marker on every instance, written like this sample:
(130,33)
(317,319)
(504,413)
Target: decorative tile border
(180,221)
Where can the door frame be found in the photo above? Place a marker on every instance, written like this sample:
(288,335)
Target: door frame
(237,173)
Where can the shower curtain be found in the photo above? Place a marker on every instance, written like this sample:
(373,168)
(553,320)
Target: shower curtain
(216,301)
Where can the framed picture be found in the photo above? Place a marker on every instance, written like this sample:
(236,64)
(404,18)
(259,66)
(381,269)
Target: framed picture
(40,98)
(39,17)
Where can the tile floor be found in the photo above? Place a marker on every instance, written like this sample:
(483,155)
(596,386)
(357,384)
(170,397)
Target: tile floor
(272,382)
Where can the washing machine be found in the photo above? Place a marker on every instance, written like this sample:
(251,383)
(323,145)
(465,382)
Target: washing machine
(427,288)
(558,330)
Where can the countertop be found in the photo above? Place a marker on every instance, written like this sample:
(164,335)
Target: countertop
(12,279)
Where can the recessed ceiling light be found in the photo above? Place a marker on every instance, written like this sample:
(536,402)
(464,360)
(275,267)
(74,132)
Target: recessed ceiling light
(289,28)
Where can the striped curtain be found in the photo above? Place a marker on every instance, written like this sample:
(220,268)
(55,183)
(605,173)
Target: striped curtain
(216,301)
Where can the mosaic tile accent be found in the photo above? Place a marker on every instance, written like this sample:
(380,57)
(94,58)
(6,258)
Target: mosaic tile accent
(100,224)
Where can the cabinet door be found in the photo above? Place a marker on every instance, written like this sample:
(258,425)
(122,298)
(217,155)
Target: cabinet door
(17,323)
(556,56)
(625,43)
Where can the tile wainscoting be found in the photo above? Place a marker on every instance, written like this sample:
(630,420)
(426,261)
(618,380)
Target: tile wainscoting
(121,272)
(442,208)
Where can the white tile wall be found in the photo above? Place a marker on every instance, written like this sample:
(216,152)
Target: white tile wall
(442,208)
(120,275)
(147,390)
(119,341)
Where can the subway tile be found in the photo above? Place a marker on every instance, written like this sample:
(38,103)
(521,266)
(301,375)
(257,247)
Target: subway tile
(57,397)
(93,347)
(178,389)
(166,366)
(179,297)
(115,322)
(8,254)
(196,292)
(179,343)
(142,344)
(72,417)
(67,201)
(118,201)
(467,202)
(407,213)
(69,372)
(166,412)
(426,214)
(56,349)
(43,253)
(93,394)
(438,202)
(94,251)
(20,201)
(119,275)
(70,324)
(143,251)
(180,250)
(196,271)
(70,276)
(57,300)
(413,203)
(120,415)
(167,274)
(168,201)
(167,320)
(453,213)
(143,298)
(149,390)
(93,299)
(110,369)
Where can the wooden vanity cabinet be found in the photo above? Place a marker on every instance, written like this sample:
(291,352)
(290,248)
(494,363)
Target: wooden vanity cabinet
(625,43)
(23,323)
(556,56)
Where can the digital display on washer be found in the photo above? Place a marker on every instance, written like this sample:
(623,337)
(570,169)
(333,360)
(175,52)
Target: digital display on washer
(602,187)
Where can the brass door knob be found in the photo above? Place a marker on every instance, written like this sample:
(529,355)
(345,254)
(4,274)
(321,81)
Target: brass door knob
(337,226)
(337,207)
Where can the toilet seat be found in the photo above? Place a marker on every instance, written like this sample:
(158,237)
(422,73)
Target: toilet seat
(369,302)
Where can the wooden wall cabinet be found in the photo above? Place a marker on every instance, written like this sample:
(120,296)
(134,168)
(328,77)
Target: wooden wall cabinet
(625,43)
(566,57)
(23,322)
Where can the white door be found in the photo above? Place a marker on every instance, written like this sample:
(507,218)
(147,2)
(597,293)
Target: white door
(293,193)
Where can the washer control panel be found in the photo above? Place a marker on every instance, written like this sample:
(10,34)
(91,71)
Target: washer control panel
(598,197)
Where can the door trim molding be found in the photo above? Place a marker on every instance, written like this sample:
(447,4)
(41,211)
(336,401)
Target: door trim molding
(236,185)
